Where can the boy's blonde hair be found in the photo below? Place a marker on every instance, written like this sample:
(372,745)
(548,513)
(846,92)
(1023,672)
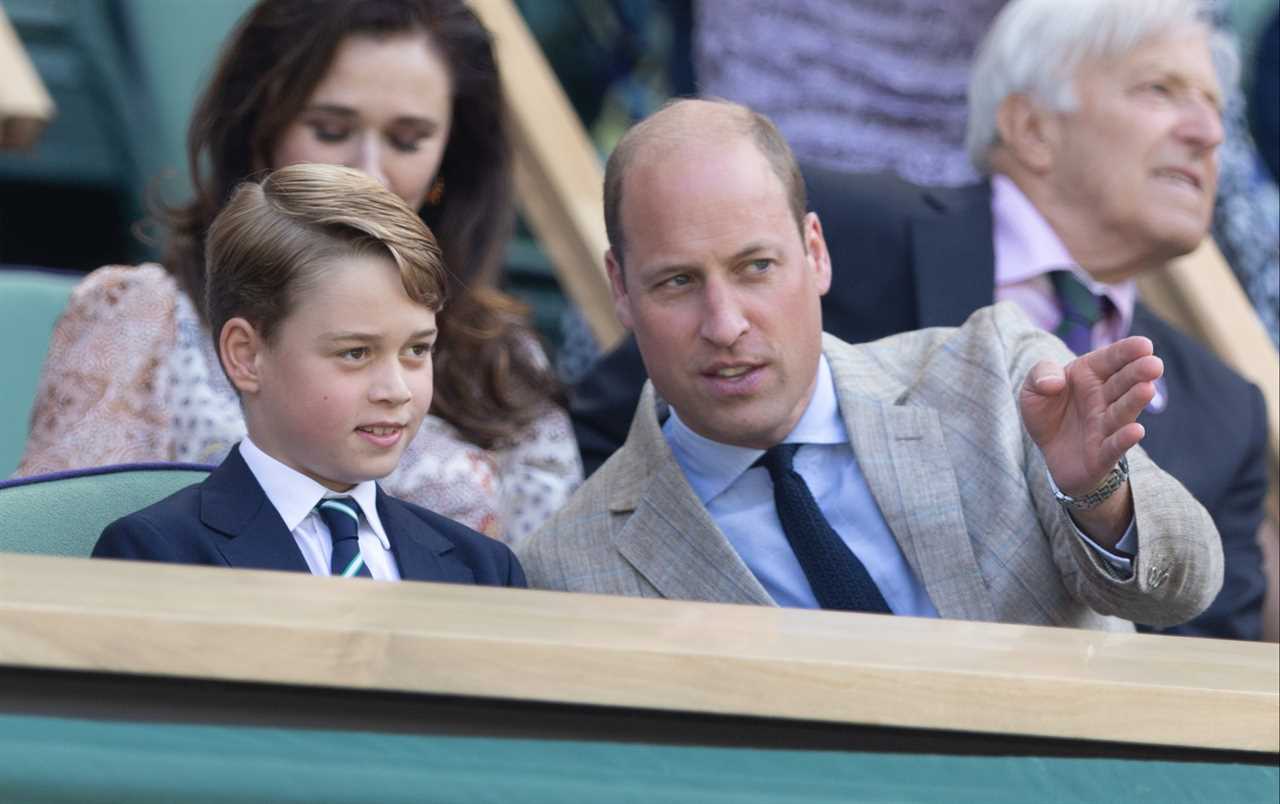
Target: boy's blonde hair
(274,239)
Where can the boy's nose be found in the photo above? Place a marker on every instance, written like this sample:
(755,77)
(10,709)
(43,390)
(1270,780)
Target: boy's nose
(392,386)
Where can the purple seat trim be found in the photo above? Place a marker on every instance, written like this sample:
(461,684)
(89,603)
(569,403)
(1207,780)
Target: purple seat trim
(110,469)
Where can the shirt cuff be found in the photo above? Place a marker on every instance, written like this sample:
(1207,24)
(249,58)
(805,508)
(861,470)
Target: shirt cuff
(1121,558)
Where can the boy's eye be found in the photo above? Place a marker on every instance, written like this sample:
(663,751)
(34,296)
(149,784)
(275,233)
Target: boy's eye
(358,353)
(421,350)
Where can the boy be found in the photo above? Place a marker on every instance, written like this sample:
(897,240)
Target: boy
(321,292)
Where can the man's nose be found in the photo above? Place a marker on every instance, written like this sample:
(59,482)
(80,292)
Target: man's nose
(1201,124)
(723,319)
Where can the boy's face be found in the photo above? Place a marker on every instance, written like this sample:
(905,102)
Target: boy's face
(346,381)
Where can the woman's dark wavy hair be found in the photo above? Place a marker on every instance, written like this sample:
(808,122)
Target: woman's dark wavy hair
(489,382)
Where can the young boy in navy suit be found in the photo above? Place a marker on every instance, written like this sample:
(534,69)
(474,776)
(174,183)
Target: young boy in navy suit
(322,290)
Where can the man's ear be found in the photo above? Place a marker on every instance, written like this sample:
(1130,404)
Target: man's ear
(618,288)
(816,247)
(240,348)
(1028,133)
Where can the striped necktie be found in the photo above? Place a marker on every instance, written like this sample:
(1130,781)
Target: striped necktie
(342,515)
(838,579)
(1081,309)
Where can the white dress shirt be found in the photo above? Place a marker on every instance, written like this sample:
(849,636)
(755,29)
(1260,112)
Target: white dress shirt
(739,498)
(295,497)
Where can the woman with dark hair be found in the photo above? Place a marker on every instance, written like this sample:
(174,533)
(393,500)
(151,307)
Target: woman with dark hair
(408,91)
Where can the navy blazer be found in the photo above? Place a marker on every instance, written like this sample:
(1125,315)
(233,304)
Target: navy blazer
(906,257)
(228,521)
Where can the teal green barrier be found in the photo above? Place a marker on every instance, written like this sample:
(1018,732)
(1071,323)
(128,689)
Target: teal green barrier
(61,760)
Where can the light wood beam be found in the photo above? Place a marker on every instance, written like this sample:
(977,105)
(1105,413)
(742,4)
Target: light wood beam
(248,626)
(25,105)
(558,176)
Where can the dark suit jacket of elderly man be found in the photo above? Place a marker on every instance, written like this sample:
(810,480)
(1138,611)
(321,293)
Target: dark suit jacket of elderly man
(934,422)
(907,257)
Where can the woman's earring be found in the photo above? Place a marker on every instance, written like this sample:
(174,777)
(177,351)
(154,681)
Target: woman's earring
(436,194)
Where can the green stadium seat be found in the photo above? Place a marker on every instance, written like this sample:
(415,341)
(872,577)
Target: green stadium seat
(63,513)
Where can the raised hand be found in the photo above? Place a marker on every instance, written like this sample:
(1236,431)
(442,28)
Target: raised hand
(1083,416)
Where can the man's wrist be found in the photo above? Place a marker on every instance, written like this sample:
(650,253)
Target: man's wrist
(1115,480)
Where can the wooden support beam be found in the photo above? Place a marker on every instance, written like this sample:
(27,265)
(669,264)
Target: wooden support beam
(25,105)
(558,176)
(211,624)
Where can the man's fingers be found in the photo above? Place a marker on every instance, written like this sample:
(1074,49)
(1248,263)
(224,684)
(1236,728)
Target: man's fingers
(1109,359)
(1045,378)
(1118,443)
(1126,409)
(1145,369)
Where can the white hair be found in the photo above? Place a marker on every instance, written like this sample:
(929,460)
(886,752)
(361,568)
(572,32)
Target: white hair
(1035,47)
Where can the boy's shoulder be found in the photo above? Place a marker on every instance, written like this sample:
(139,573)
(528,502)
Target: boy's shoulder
(490,561)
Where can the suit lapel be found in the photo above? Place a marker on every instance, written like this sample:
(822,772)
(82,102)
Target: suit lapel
(232,503)
(422,553)
(953,256)
(670,539)
(903,456)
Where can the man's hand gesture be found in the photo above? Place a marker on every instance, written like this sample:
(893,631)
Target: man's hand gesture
(1084,418)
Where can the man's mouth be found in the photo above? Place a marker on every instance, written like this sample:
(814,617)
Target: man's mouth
(1187,177)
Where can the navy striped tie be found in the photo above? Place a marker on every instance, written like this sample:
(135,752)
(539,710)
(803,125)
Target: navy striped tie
(342,515)
(838,579)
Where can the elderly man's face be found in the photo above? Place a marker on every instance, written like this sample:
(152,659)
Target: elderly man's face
(1139,154)
(720,290)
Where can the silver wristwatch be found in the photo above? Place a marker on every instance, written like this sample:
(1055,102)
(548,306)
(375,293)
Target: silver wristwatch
(1109,485)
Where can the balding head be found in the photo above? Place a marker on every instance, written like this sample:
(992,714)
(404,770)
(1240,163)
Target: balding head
(696,123)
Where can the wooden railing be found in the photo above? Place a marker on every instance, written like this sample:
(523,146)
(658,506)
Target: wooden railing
(176,622)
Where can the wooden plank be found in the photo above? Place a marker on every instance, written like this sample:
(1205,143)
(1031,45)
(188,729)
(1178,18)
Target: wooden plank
(25,105)
(558,177)
(278,628)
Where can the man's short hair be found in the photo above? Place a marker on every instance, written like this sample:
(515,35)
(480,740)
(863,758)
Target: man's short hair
(1035,47)
(741,120)
(273,241)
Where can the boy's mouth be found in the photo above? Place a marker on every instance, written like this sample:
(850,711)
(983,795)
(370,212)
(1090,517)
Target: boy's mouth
(381,435)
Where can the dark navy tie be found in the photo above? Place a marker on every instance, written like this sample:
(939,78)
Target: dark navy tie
(342,515)
(838,579)
(1081,309)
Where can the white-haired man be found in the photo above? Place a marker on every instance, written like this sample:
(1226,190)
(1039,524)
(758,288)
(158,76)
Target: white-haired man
(1098,123)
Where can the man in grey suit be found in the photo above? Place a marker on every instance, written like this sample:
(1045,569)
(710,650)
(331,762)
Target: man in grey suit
(974,473)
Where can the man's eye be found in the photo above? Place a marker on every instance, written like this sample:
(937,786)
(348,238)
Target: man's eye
(358,353)
(422,350)
(761,265)
(677,281)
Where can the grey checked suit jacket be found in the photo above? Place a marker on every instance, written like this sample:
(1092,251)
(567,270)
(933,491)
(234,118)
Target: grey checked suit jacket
(933,419)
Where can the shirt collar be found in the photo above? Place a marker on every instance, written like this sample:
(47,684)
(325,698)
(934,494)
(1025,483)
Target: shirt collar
(295,495)
(1026,247)
(711,467)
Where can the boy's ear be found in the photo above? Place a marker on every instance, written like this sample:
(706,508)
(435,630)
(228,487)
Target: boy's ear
(240,347)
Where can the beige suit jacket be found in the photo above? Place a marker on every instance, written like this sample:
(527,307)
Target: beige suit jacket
(933,419)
